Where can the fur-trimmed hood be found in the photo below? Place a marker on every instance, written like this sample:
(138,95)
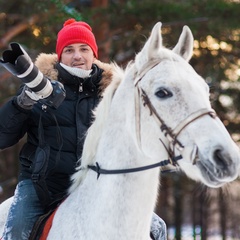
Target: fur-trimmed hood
(46,62)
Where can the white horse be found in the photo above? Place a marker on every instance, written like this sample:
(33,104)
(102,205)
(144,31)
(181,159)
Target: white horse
(160,110)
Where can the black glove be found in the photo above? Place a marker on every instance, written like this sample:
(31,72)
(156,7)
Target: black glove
(27,98)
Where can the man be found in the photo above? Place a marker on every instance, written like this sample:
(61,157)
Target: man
(54,136)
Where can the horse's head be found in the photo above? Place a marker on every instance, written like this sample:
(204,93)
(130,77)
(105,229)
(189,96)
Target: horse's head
(177,99)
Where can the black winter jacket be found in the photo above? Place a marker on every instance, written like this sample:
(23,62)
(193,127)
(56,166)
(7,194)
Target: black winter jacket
(73,118)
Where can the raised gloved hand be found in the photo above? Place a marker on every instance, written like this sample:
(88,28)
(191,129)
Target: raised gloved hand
(17,62)
(27,98)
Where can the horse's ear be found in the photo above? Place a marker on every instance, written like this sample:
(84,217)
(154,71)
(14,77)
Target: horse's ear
(155,40)
(151,48)
(184,47)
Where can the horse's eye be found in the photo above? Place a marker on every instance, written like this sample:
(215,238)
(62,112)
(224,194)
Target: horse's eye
(163,93)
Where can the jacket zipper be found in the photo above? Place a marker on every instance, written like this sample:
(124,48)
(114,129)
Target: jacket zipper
(80,87)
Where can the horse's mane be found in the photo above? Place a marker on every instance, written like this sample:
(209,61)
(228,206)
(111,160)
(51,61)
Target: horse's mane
(95,131)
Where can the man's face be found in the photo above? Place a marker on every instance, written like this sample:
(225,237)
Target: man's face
(78,55)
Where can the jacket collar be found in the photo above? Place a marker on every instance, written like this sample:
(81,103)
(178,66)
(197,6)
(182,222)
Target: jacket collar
(90,84)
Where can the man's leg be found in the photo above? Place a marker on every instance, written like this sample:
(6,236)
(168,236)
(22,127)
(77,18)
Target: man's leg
(24,211)
(158,228)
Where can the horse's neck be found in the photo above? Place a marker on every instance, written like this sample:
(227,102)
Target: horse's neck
(129,192)
(117,147)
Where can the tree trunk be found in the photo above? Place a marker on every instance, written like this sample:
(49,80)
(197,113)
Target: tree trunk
(101,31)
(223,214)
(178,207)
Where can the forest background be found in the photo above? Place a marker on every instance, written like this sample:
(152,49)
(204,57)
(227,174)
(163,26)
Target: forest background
(121,27)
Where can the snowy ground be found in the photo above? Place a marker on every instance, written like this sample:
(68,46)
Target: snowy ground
(187,234)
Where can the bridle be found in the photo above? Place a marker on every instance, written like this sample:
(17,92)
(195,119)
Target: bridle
(170,134)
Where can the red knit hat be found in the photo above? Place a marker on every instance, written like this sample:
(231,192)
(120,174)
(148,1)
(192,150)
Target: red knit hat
(75,32)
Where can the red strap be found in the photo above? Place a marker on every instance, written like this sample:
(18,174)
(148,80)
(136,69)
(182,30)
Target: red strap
(47,226)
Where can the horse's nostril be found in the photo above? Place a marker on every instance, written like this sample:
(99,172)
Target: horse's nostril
(219,159)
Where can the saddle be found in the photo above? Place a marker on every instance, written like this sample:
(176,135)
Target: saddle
(43,225)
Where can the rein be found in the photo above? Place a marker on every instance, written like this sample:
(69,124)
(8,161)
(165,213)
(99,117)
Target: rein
(99,170)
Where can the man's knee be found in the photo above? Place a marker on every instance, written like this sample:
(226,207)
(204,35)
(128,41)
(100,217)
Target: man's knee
(158,228)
